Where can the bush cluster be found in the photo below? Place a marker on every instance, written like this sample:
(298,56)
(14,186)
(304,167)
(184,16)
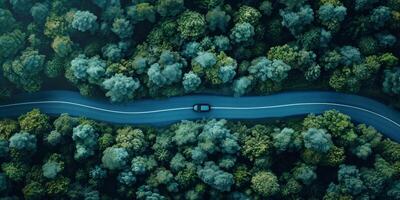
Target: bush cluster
(126,50)
(316,157)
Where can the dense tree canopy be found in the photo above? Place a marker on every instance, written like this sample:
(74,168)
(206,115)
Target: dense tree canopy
(177,47)
(317,157)
(125,50)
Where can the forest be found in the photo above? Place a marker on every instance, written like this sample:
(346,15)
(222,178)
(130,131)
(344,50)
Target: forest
(125,50)
(316,157)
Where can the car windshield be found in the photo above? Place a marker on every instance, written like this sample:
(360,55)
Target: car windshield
(204,107)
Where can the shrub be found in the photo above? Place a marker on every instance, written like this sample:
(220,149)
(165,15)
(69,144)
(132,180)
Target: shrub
(114,158)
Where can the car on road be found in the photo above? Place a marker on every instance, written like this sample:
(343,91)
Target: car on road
(202,107)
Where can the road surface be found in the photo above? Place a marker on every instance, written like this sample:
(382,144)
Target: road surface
(166,111)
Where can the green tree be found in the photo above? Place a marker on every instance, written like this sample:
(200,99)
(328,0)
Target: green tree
(85,138)
(11,43)
(33,191)
(114,158)
(84,21)
(191,25)
(15,171)
(120,88)
(7,21)
(247,14)
(25,71)
(7,128)
(257,143)
(215,177)
(62,45)
(317,140)
(133,140)
(35,122)
(304,173)
(265,183)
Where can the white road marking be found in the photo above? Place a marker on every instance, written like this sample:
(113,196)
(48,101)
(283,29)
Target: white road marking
(190,108)
(304,104)
(95,108)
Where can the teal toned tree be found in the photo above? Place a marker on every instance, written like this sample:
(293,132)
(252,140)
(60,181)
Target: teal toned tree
(25,70)
(84,21)
(114,158)
(85,138)
(120,88)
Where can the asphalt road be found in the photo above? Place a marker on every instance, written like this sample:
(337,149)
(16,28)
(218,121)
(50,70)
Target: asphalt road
(166,111)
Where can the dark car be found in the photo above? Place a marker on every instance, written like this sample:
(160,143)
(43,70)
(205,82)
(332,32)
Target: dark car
(201,107)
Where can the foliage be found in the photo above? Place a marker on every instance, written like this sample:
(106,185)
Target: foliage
(335,44)
(140,165)
(58,186)
(257,144)
(54,138)
(122,27)
(380,16)
(14,171)
(84,21)
(7,128)
(242,32)
(88,69)
(247,14)
(34,122)
(142,11)
(7,21)
(265,183)
(166,71)
(11,43)
(120,88)
(191,25)
(217,19)
(33,190)
(331,16)
(292,56)
(296,20)
(186,133)
(215,177)
(64,124)
(264,69)
(305,174)
(126,50)
(55,67)
(112,52)
(25,70)
(190,82)
(133,140)
(85,138)
(23,141)
(286,140)
(391,83)
(3,148)
(39,12)
(349,176)
(317,140)
(199,159)
(205,59)
(242,85)
(62,46)
(114,158)
(350,55)
(169,7)
(51,169)
(328,44)
(216,137)
(363,4)
(315,39)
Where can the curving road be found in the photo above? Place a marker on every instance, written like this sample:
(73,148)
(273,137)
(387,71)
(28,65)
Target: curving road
(166,111)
